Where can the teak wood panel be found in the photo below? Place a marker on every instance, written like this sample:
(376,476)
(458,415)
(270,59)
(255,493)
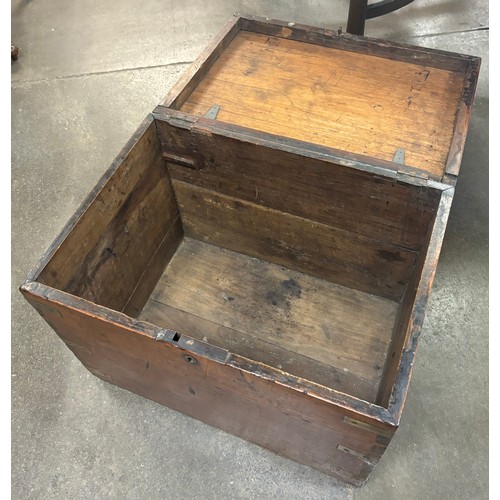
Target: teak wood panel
(154,269)
(220,390)
(360,44)
(355,102)
(294,242)
(254,308)
(106,254)
(397,373)
(252,347)
(339,196)
(401,324)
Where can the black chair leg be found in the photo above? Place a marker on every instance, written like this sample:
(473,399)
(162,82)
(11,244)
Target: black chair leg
(360,11)
(357,17)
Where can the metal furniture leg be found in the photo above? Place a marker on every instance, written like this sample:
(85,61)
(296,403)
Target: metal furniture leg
(360,11)
(356,17)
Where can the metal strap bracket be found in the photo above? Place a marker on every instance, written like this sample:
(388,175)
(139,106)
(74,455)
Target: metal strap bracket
(399,156)
(212,112)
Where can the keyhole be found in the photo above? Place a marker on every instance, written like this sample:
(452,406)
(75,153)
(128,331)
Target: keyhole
(190,359)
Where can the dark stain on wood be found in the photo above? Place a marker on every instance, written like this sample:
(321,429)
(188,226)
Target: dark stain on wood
(294,242)
(278,316)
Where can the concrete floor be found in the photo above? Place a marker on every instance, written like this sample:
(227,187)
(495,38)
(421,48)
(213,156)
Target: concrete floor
(88,73)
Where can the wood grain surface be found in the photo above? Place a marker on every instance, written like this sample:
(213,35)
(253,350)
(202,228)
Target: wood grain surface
(224,391)
(360,202)
(398,372)
(105,255)
(294,242)
(251,307)
(356,102)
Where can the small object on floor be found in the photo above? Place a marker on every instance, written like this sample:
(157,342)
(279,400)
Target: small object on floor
(14,52)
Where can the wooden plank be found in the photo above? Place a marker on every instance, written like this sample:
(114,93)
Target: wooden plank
(198,69)
(454,159)
(390,169)
(294,423)
(399,337)
(351,101)
(154,269)
(299,244)
(357,201)
(333,324)
(311,328)
(252,347)
(397,373)
(100,211)
(395,350)
(43,298)
(369,427)
(108,182)
(418,307)
(125,223)
(112,268)
(365,45)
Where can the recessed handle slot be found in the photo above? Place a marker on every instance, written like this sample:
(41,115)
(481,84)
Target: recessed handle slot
(183,161)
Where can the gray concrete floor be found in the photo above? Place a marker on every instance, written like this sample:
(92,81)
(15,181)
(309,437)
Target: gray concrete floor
(87,75)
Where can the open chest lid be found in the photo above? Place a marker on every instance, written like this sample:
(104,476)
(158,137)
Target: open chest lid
(399,109)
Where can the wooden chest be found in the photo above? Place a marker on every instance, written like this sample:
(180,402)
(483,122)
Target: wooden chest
(260,254)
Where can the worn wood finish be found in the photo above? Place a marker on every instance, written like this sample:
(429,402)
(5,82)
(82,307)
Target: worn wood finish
(454,159)
(299,244)
(44,298)
(107,181)
(127,220)
(296,170)
(154,269)
(197,70)
(105,275)
(249,346)
(253,307)
(220,389)
(357,201)
(197,124)
(397,376)
(434,58)
(354,102)
(395,350)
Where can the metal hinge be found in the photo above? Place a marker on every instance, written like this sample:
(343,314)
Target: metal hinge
(212,112)
(399,156)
